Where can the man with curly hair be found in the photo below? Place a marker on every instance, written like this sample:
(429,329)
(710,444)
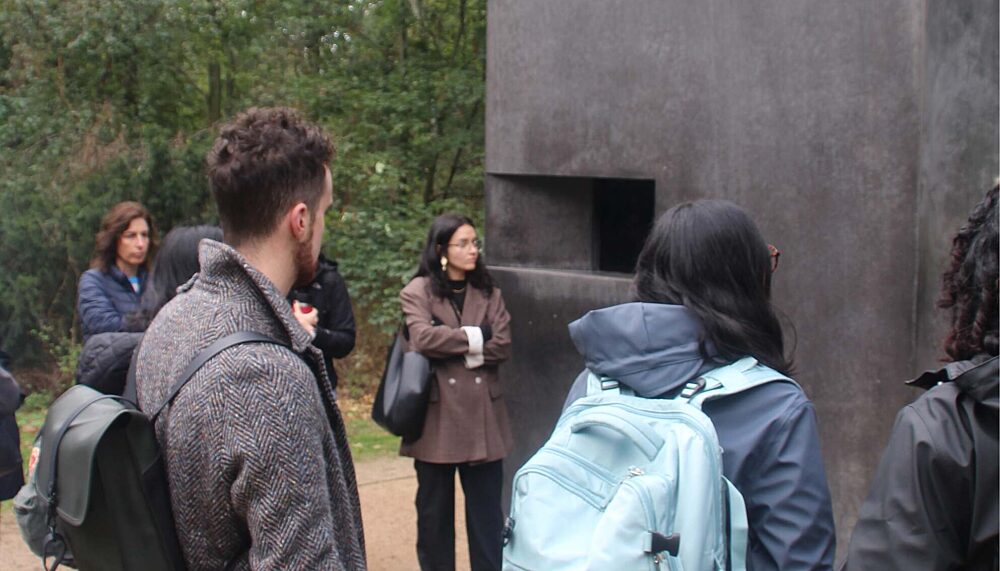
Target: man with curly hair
(934,501)
(256,453)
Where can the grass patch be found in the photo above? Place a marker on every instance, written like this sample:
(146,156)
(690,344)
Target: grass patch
(30,418)
(367,439)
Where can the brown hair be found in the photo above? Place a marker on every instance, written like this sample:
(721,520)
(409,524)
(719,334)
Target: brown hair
(113,225)
(971,282)
(265,161)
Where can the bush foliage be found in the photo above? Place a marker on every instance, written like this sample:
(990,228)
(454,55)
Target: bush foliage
(114,100)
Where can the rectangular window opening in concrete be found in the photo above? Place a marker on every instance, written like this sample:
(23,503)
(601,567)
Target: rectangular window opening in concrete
(591,224)
(623,217)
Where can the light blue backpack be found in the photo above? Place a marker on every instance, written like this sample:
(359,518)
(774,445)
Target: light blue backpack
(626,482)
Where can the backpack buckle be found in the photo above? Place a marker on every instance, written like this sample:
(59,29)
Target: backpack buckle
(55,548)
(608,384)
(693,387)
(508,530)
(669,543)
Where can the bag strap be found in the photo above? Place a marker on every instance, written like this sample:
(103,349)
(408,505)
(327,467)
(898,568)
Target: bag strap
(130,392)
(603,384)
(731,379)
(232,340)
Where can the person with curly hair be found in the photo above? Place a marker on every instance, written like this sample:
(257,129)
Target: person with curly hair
(112,287)
(934,502)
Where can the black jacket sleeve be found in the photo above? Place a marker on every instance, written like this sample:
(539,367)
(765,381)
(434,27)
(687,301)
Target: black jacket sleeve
(335,332)
(10,393)
(104,360)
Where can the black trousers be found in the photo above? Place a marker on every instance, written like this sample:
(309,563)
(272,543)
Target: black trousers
(482,485)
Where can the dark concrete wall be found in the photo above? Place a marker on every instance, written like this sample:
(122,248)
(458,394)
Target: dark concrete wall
(544,302)
(843,127)
(959,148)
(520,232)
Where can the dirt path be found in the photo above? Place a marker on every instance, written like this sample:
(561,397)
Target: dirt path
(387,487)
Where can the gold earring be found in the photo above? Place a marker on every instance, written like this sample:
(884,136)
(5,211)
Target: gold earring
(444,264)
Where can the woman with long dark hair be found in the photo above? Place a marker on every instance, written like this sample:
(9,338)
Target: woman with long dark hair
(456,317)
(113,285)
(703,300)
(175,264)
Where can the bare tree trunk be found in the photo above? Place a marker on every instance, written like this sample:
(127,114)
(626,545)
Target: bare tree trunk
(214,92)
(230,82)
(461,31)
(429,183)
(415,6)
(458,153)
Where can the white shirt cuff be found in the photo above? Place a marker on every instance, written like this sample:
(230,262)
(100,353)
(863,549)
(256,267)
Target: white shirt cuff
(474,357)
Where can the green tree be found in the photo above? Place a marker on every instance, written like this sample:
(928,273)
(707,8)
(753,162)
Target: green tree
(114,100)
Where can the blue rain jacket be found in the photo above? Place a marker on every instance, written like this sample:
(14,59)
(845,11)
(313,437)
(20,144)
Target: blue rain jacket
(105,298)
(770,442)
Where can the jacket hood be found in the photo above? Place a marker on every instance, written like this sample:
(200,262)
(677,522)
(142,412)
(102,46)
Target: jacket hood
(651,347)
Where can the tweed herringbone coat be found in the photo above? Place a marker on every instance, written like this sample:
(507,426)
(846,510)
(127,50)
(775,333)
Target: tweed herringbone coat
(466,417)
(255,448)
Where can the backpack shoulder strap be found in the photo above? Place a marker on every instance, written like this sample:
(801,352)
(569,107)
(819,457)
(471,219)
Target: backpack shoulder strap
(130,393)
(737,377)
(602,384)
(238,338)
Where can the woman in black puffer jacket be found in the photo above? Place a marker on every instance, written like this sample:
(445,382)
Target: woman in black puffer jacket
(11,397)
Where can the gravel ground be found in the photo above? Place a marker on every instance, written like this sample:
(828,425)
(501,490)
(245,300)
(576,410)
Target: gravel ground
(387,487)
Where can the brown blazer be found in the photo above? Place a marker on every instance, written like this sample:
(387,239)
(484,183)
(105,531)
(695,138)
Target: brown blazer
(466,418)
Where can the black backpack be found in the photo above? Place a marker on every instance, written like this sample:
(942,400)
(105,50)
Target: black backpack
(102,479)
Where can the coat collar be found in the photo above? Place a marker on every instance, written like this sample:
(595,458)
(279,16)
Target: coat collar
(473,310)
(982,383)
(223,268)
(976,378)
(119,276)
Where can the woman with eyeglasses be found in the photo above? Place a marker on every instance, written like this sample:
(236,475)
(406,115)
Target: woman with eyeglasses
(456,317)
(702,293)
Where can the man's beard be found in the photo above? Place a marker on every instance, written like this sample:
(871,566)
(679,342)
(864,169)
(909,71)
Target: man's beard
(305,263)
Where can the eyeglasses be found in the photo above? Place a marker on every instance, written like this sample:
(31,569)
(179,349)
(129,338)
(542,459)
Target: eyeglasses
(775,254)
(464,244)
